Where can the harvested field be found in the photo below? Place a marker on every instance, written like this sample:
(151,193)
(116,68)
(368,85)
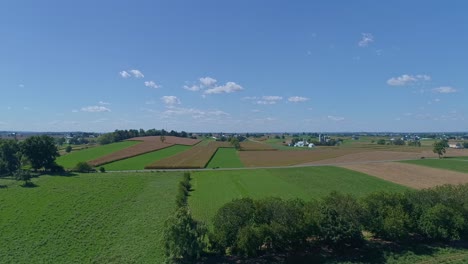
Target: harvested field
(148,144)
(288,157)
(194,158)
(255,146)
(415,176)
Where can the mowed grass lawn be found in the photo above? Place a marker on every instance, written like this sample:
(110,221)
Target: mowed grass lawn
(88,218)
(459,164)
(139,162)
(70,160)
(212,189)
(225,158)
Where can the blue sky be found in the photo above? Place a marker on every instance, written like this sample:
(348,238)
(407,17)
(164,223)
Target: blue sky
(234,66)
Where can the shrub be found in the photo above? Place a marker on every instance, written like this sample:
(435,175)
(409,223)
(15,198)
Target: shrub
(183,237)
(387,215)
(441,222)
(68,149)
(249,241)
(339,223)
(83,167)
(102,169)
(23,175)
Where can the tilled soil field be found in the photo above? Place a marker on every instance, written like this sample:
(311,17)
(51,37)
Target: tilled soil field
(194,158)
(148,144)
(415,176)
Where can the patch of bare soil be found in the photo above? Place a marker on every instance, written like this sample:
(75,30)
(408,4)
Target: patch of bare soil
(414,176)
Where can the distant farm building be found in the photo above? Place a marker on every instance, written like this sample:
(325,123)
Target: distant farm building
(456,145)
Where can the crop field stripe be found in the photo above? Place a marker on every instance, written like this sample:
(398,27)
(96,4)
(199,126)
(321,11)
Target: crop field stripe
(459,164)
(87,218)
(225,158)
(70,160)
(214,188)
(139,162)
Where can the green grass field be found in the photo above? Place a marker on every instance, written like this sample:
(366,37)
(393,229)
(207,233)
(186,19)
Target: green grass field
(139,162)
(459,164)
(212,189)
(225,158)
(70,160)
(88,218)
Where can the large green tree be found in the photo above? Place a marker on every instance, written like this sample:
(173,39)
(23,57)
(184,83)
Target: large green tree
(40,151)
(9,157)
(439,147)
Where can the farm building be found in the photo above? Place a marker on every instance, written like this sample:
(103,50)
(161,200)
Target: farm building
(456,145)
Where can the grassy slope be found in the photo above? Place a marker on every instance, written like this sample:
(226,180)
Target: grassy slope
(225,158)
(212,189)
(455,164)
(139,162)
(100,218)
(70,160)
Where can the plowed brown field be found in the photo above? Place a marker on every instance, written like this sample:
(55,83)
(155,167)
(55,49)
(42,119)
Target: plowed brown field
(410,175)
(148,144)
(194,158)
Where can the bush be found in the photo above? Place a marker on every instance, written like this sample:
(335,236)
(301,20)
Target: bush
(68,149)
(387,215)
(23,175)
(229,220)
(102,169)
(441,222)
(339,223)
(183,237)
(83,167)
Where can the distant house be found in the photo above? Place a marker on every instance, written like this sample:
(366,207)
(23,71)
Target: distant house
(456,145)
(300,144)
(311,145)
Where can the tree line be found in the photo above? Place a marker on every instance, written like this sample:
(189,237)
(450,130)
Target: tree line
(36,152)
(119,135)
(249,228)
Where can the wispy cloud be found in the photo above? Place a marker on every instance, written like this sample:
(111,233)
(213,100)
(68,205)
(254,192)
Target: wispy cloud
(407,79)
(194,113)
(104,103)
(444,90)
(95,109)
(335,118)
(229,87)
(137,73)
(152,84)
(366,39)
(297,99)
(124,74)
(208,81)
(269,99)
(21,85)
(192,88)
(170,100)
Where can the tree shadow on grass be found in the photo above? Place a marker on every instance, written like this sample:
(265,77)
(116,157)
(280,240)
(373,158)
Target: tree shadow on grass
(64,174)
(29,184)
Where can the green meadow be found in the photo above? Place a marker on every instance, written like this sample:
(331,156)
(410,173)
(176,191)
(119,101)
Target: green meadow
(459,164)
(87,218)
(212,189)
(225,158)
(69,161)
(139,162)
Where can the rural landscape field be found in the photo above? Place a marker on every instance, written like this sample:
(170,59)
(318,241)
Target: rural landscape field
(233,132)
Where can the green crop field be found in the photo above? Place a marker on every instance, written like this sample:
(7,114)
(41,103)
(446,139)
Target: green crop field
(70,160)
(87,218)
(459,164)
(214,188)
(139,162)
(225,158)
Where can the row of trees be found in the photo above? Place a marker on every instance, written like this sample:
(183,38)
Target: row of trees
(247,227)
(119,135)
(36,152)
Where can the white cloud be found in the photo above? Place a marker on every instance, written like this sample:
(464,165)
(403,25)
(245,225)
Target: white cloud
(192,88)
(170,100)
(335,118)
(406,79)
(103,103)
(95,109)
(137,73)
(269,100)
(208,81)
(250,98)
(229,87)
(124,74)
(195,113)
(297,99)
(444,90)
(366,39)
(152,84)
(75,111)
